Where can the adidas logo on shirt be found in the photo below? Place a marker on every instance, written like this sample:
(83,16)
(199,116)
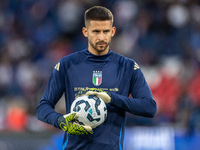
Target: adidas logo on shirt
(57,66)
(136,66)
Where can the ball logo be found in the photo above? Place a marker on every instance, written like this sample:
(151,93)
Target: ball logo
(97,78)
(91,110)
(87,106)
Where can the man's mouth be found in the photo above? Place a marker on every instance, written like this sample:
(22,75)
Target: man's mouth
(101,44)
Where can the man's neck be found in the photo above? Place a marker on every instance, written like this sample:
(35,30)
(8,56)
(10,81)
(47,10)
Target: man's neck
(96,52)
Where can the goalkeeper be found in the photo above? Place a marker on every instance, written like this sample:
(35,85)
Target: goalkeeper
(96,68)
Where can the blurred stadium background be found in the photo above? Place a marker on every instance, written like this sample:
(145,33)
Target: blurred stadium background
(162,36)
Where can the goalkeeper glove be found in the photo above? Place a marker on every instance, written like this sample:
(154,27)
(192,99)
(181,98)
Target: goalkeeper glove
(103,95)
(67,123)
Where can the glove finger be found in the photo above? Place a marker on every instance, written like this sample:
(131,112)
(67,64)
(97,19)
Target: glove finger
(105,97)
(88,128)
(75,132)
(79,129)
(76,116)
(91,93)
(70,116)
(66,115)
(84,132)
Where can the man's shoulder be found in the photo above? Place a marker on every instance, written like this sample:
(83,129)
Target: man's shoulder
(126,62)
(74,57)
(121,59)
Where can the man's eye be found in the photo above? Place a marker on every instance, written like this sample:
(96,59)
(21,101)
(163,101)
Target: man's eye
(106,31)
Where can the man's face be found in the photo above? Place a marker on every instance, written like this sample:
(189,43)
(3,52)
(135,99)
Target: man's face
(99,35)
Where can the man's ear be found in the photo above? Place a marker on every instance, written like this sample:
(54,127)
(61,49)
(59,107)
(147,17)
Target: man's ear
(84,30)
(113,31)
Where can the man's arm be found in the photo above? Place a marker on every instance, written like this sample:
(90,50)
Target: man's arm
(45,109)
(53,92)
(141,104)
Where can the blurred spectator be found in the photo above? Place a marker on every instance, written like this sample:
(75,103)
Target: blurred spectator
(69,14)
(16,117)
(178,15)
(6,73)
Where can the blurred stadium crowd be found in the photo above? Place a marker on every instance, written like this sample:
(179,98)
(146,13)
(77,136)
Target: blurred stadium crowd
(162,36)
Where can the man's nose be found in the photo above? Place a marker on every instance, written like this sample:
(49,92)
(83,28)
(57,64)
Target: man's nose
(101,36)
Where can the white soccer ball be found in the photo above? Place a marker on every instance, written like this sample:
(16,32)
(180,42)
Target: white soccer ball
(91,110)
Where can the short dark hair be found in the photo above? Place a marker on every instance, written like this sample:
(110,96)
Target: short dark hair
(98,13)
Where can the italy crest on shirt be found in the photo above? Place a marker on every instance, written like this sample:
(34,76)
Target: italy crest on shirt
(97,78)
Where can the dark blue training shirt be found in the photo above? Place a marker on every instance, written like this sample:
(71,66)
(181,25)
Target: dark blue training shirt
(111,72)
